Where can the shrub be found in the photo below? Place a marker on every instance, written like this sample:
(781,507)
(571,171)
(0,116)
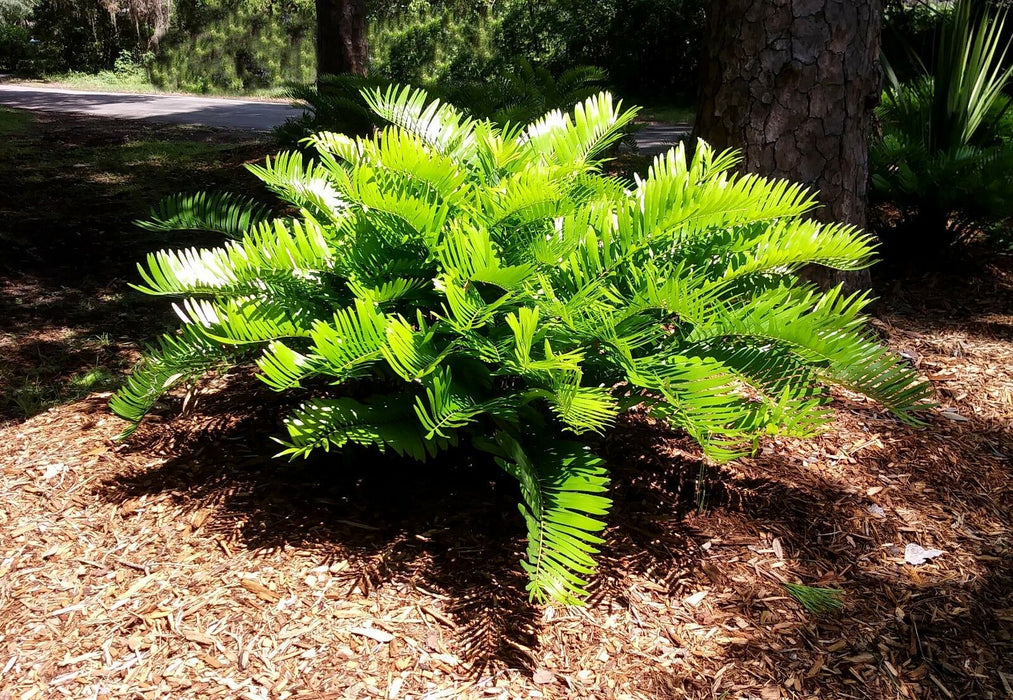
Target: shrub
(448,282)
(517,95)
(15,46)
(945,157)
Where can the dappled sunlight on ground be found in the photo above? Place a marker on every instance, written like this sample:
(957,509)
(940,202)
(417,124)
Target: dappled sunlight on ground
(69,192)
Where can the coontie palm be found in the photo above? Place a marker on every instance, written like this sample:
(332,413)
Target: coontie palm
(493,287)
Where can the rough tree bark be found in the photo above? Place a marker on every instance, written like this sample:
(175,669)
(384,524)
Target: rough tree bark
(792,84)
(342,45)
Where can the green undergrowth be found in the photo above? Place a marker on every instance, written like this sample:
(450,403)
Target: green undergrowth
(13,122)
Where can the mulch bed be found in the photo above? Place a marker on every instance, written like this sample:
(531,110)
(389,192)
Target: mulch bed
(186,563)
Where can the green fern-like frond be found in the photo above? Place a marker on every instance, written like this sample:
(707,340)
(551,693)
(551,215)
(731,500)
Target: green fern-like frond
(242,321)
(438,125)
(447,407)
(352,338)
(302,184)
(474,283)
(172,361)
(821,331)
(383,423)
(582,408)
(225,213)
(563,507)
(282,368)
(596,124)
(290,250)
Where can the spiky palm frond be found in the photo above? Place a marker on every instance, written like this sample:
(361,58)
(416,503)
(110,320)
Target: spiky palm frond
(244,321)
(171,361)
(945,156)
(272,251)
(582,408)
(438,125)
(562,507)
(282,368)
(351,339)
(475,281)
(218,212)
(448,407)
(596,124)
(306,185)
(821,332)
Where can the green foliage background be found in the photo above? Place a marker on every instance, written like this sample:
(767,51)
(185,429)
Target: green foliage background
(648,47)
(237,45)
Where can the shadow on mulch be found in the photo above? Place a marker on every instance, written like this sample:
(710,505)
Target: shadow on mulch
(453,527)
(961,298)
(933,631)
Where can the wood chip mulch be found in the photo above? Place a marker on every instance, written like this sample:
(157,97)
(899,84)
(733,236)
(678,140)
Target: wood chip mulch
(188,564)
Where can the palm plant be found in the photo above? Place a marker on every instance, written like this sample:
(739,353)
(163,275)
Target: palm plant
(491,287)
(334,104)
(944,158)
(523,91)
(514,94)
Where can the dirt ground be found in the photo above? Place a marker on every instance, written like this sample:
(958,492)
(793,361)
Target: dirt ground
(186,563)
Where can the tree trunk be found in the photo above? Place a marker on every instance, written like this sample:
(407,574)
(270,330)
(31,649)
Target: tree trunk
(342,44)
(792,84)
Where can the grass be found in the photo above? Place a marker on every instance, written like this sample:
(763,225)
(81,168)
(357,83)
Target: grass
(669,113)
(47,385)
(136,80)
(126,162)
(69,191)
(119,159)
(13,122)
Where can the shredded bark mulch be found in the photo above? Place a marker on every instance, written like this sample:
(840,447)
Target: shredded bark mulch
(188,563)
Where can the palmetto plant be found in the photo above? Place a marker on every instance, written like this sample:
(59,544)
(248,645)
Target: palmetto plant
(945,158)
(493,288)
(334,103)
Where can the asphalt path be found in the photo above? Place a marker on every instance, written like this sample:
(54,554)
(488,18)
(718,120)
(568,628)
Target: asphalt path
(176,109)
(224,113)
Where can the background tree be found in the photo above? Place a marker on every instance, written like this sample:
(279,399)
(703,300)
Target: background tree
(342,43)
(793,84)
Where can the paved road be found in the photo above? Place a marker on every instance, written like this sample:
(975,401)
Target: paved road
(177,109)
(224,113)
